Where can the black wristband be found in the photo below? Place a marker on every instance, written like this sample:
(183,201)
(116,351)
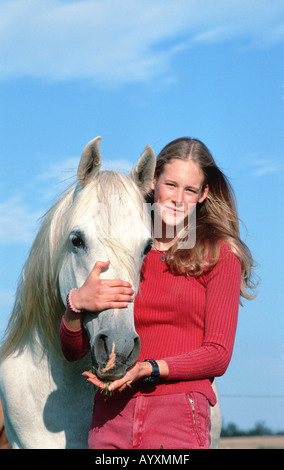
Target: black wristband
(155,375)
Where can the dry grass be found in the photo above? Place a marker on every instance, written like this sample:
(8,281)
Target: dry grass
(252,442)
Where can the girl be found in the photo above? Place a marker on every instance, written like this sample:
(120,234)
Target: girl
(185,312)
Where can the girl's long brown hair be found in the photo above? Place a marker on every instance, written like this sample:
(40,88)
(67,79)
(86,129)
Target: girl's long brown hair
(216,216)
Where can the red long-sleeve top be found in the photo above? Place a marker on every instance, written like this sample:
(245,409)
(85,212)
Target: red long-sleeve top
(189,322)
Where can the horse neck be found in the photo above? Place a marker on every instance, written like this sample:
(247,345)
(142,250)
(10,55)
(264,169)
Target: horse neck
(51,360)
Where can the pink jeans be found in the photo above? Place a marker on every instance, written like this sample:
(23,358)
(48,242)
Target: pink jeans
(176,421)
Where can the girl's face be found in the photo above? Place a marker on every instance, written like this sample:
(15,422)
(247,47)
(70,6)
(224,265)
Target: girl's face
(177,191)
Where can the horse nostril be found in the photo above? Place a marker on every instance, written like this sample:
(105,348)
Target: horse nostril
(137,342)
(134,353)
(101,344)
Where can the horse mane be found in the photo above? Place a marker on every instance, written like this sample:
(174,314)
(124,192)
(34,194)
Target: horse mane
(38,306)
(37,295)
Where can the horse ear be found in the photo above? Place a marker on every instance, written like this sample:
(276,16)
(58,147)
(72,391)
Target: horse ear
(90,162)
(143,172)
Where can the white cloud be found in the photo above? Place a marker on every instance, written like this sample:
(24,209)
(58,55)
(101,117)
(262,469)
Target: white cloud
(7,298)
(17,221)
(59,172)
(65,172)
(22,209)
(121,42)
(265,166)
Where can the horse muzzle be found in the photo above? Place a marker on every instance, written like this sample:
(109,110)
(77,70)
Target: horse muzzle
(112,356)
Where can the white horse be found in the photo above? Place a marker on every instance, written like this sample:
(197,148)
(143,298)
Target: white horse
(46,401)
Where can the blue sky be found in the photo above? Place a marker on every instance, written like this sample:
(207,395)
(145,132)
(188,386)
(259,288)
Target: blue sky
(145,72)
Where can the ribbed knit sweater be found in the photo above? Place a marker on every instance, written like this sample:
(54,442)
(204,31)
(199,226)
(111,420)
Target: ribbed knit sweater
(189,322)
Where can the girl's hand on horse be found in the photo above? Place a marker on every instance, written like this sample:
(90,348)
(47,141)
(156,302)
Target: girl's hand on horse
(100,294)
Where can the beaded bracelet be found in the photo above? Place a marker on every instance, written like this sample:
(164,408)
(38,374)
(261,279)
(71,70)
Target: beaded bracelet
(69,303)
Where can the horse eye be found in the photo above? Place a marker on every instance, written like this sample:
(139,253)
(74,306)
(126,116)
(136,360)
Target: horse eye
(77,240)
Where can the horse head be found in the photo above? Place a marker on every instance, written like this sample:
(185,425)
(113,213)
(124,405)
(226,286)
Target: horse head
(108,220)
